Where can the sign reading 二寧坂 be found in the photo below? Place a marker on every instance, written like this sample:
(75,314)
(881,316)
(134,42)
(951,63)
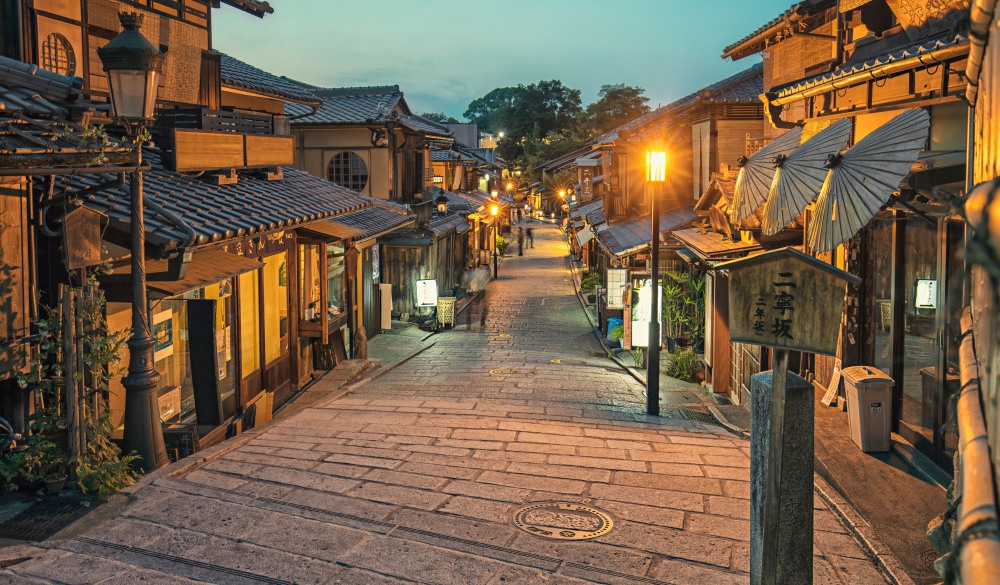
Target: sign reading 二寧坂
(786,299)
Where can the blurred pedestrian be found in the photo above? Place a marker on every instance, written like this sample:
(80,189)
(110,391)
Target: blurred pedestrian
(520,242)
(518,215)
(531,239)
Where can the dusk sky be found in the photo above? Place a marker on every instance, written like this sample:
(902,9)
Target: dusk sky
(444,54)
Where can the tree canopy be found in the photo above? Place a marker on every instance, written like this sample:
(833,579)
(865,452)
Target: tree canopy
(440,118)
(541,121)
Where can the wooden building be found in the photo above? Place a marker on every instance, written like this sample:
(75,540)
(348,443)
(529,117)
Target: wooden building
(867,62)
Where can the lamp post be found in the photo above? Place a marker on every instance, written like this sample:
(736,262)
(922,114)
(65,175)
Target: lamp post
(495,211)
(656,175)
(133,65)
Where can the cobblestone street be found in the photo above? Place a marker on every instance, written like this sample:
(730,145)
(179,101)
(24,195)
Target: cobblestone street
(414,477)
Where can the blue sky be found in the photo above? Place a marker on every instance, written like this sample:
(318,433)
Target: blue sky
(445,53)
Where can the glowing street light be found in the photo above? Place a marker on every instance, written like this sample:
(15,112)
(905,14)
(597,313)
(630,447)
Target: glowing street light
(656,176)
(510,186)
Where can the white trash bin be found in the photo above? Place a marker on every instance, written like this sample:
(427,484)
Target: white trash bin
(869,407)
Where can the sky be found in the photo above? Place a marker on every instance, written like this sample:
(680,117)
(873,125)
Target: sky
(445,53)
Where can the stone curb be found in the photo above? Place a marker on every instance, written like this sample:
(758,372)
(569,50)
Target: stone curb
(862,532)
(722,420)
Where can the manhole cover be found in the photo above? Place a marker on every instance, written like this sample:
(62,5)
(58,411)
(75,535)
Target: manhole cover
(43,519)
(928,557)
(569,362)
(563,521)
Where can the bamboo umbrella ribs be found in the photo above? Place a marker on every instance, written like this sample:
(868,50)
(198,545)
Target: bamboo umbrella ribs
(757,172)
(860,181)
(799,176)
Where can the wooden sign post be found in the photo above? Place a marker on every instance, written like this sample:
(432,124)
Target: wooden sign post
(788,301)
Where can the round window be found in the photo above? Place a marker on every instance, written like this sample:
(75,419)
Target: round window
(58,55)
(348,170)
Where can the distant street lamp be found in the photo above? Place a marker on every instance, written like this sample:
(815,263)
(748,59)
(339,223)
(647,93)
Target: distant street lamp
(442,204)
(133,66)
(656,176)
(509,186)
(495,211)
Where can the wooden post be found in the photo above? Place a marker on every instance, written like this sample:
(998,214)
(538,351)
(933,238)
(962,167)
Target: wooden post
(81,371)
(772,492)
(69,358)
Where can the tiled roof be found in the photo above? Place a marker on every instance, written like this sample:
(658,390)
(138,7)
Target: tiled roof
(31,90)
(632,235)
(35,144)
(744,87)
(375,220)
(348,105)
(448,156)
(236,73)
(593,211)
(443,224)
(187,211)
(421,124)
(257,8)
(910,52)
(796,9)
(712,245)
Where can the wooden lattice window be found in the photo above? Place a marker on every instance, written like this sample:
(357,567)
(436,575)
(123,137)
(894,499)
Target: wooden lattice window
(58,55)
(349,170)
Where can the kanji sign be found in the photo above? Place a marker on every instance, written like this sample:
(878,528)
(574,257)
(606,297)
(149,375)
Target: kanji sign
(786,299)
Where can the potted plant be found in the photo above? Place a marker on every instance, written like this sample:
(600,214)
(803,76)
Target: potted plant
(55,477)
(673,312)
(695,302)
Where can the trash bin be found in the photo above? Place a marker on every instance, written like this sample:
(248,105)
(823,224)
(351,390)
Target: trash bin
(869,407)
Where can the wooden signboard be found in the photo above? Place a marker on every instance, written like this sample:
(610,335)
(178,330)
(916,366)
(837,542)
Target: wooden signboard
(269,151)
(786,299)
(198,150)
(82,237)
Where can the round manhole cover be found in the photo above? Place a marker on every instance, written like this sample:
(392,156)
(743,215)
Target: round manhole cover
(928,557)
(563,521)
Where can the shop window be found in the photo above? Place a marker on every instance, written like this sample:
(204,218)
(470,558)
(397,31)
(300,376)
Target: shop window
(336,278)
(922,301)
(249,323)
(222,294)
(169,328)
(309,282)
(275,285)
(349,170)
(57,55)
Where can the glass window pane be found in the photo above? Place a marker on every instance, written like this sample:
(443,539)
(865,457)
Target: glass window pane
(172,360)
(335,277)
(222,293)
(249,323)
(880,287)
(922,294)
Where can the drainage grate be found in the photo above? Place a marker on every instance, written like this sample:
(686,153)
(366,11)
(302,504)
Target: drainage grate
(43,519)
(698,416)
(563,521)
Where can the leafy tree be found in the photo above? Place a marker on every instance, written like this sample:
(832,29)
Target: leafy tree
(615,105)
(484,111)
(440,118)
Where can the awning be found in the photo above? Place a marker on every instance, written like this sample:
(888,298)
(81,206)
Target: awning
(328,230)
(585,235)
(205,268)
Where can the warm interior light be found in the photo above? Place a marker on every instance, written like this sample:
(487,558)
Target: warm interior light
(510,186)
(656,166)
(495,193)
(494,210)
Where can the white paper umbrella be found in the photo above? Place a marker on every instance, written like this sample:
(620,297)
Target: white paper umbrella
(757,172)
(799,176)
(861,180)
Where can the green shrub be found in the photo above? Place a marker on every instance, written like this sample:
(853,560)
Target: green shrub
(502,244)
(684,365)
(590,281)
(637,356)
(617,333)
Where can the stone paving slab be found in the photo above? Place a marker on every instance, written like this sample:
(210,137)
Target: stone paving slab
(415,477)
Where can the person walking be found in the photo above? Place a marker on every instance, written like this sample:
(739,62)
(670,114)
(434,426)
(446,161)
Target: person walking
(520,242)
(518,215)
(531,238)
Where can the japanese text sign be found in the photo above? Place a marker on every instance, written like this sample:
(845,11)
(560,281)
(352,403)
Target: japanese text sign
(786,299)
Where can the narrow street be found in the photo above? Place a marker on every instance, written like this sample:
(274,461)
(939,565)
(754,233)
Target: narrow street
(415,476)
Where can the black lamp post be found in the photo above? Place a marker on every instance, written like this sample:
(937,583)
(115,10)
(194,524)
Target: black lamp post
(133,66)
(495,211)
(656,175)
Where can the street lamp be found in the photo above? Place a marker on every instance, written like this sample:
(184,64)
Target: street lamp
(656,175)
(495,211)
(133,66)
(442,204)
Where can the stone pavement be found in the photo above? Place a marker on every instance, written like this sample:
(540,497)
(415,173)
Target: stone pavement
(414,477)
